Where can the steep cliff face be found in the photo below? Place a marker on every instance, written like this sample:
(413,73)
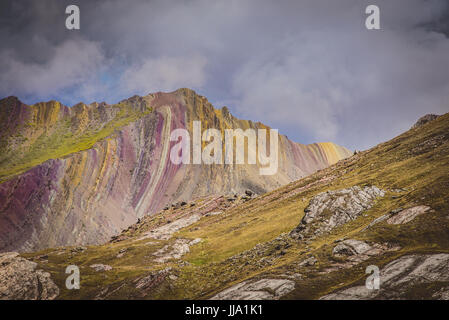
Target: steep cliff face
(80,175)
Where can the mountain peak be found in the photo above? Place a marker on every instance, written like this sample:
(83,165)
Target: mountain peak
(424,119)
(10,99)
(113,163)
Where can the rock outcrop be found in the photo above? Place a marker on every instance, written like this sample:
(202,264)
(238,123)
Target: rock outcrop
(424,119)
(264,289)
(407,215)
(331,209)
(175,251)
(20,280)
(350,247)
(351,252)
(165,232)
(399,278)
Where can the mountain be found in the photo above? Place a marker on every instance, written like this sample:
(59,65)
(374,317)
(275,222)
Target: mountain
(383,209)
(81,174)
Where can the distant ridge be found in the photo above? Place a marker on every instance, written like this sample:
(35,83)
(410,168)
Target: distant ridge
(80,175)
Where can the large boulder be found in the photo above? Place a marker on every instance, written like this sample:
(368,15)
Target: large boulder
(399,278)
(20,280)
(331,209)
(351,247)
(351,252)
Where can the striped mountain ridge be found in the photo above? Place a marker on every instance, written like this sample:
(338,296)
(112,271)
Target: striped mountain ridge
(81,174)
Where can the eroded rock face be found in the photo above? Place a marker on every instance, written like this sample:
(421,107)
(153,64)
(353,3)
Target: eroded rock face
(331,209)
(401,276)
(165,232)
(264,289)
(351,247)
(175,251)
(407,215)
(352,252)
(400,215)
(19,280)
(152,280)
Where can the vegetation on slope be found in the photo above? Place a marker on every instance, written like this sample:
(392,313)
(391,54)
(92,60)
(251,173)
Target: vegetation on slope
(55,134)
(412,169)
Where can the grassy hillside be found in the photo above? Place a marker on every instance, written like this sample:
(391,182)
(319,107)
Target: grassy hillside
(50,130)
(246,239)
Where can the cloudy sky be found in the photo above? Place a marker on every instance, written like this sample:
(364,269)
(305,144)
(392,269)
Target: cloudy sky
(309,68)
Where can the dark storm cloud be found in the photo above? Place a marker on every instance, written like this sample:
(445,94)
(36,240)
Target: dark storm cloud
(309,68)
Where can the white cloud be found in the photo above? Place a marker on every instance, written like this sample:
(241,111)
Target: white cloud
(284,86)
(347,84)
(165,74)
(72,63)
(308,68)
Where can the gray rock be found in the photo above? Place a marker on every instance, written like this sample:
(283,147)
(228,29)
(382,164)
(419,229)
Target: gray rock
(152,280)
(408,215)
(122,252)
(101,267)
(383,218)
(400,190)
(331,209)
(308,262)
(264,289)
(355,251)
(165,232)
(351,247)
(20,280)
(214,213)
(176,250)
(401,276)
